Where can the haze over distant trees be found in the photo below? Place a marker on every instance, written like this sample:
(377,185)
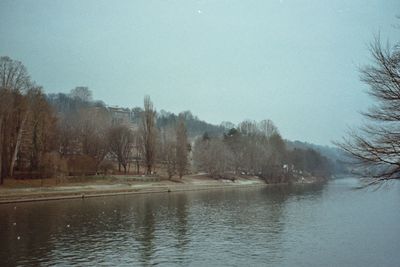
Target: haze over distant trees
(72,134)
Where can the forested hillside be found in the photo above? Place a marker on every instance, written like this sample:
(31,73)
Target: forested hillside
(72,134)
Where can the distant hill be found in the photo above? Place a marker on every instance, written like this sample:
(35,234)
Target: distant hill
(336,156)
(195,127)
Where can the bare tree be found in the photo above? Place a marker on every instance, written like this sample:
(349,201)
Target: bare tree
(181,148)
(137,150)
(14,81)
(149,134)
(168,150)
(82,93)
(120,142)
(13,75)
(212,156)
(377,143)
(268,128)
(69,132)
(21,116)
(40,132)
(254,146)
(234,140)
(5,107)
(94,123)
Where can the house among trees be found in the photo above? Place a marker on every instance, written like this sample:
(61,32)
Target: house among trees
(120,115)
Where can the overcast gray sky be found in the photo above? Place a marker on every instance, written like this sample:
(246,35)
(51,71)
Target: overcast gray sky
(294,62)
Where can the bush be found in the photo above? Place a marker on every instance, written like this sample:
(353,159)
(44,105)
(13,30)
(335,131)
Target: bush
(105,166)
(52,164)
(81,165)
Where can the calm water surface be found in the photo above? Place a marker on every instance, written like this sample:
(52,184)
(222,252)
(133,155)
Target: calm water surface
(325,225)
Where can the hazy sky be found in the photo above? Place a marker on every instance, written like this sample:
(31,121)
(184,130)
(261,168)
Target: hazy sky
(294,62)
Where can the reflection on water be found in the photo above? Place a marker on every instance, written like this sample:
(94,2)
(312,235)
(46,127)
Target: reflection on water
(308,225)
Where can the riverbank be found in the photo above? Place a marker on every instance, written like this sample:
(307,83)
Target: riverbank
(86,187)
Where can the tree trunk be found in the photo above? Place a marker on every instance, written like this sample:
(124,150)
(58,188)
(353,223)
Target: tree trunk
(17,144)
(148,169)
(34,161)
(1,150)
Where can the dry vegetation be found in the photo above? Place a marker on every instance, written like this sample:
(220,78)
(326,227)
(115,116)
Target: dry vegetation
(62,136)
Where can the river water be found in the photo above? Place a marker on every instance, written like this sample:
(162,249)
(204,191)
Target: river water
(315,225)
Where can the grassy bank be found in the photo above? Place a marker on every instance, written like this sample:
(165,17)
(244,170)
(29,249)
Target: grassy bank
(96,186)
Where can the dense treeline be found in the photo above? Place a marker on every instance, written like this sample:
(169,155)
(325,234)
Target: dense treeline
(257,149)
(71,134)
(334,155)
